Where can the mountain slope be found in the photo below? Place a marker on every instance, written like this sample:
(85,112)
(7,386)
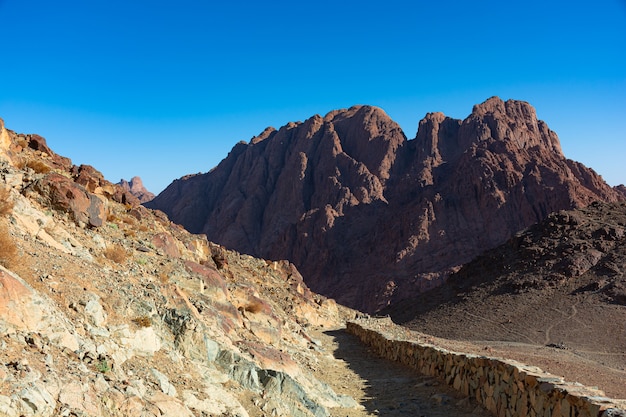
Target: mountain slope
(108,309)
(371,218)
(559,284)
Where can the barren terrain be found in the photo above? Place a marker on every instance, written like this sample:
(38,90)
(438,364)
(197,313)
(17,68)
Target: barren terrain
(553,297)
(73,315)
(380,387)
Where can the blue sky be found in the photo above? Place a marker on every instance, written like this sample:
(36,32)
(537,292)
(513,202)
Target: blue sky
(163,89)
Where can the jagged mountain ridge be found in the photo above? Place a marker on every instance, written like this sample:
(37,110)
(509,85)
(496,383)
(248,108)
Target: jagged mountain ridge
(370,217)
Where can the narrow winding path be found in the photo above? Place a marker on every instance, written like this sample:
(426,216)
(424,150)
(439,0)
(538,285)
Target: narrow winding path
(382,387)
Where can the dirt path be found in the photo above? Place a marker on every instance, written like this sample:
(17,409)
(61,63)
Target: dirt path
(382,387)
(547,339)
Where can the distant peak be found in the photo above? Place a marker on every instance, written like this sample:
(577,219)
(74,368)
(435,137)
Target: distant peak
(435,116)
(135,187)
(136,180)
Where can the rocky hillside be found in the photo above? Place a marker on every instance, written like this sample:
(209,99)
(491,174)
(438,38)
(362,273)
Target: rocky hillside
(371,218)
(108,309)
(559,284)
(577,252)
(136,188)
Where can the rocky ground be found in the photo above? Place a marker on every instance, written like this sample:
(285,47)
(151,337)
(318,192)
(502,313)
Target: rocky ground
(553,296)
(109,309)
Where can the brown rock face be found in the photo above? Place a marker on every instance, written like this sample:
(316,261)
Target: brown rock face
(63,194)
(370,218)
(136,188)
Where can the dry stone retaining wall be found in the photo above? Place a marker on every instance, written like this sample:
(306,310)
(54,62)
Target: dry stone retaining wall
(505,387)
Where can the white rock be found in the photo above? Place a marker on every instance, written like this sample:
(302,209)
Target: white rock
(14,180)
(139,387)
(143,342)
(218,402)
(170,406)
(34,222)
(5,407)
(80,397)
(164,383)
(95,313)
(101,385)
(36,400)
(212,349)
(101,350)
(99,241)
(24,309)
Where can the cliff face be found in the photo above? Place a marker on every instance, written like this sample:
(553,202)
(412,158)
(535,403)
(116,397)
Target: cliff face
(370,217)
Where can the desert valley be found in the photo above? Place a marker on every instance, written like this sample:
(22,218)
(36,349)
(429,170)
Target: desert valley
(262,287)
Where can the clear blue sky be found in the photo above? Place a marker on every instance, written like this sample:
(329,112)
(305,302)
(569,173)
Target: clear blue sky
(162,89)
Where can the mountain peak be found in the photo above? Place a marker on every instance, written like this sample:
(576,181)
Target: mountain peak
(511,121)
(491,105)
(363,110)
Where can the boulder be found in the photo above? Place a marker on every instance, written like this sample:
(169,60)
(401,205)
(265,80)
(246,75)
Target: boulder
(61,193)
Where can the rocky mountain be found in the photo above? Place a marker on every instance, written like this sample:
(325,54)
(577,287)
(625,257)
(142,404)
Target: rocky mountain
(371,218)
(108,309)
(135,187)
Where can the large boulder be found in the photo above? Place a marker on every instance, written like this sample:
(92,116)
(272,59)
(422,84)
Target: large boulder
(61,193)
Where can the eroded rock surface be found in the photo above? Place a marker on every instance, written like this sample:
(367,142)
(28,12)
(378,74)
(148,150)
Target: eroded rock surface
(558,285)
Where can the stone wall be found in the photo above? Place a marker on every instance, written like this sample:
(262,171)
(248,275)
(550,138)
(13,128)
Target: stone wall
(505,387)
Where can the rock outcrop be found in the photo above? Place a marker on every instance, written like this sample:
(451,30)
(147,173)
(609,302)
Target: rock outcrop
(136,188)
(371,218)
(52,180)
